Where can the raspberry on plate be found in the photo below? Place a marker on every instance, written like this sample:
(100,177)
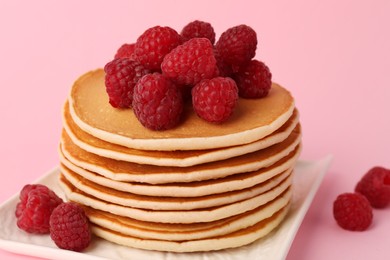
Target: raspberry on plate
(375,186)
(352,211)
(253,80)
(125,51)
(152,46)
(69,227)
(190,62)
(121,76)
(198,29)
(35,207)
(157,103)
(214,100)
(237,45)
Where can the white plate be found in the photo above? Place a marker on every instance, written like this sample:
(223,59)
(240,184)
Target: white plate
(307,178)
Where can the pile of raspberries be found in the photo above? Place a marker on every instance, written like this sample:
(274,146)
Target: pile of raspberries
(354,210)
(41,211)
(163,69)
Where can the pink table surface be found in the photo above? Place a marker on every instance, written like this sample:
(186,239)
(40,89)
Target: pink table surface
(333,56)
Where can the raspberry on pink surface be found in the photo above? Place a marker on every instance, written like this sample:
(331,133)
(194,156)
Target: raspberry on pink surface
(69,227)
(254,80)
(237,45)
(215,99)
(190,62)
(35,207)
(121,76)
(152,46)
(352,211)
(126,51)
(198,29)
(375,186)
(157,102)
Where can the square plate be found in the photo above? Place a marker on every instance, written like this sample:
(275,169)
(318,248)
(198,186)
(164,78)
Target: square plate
(308,176)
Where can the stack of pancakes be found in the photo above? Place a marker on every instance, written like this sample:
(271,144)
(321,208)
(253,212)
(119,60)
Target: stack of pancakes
(197,187)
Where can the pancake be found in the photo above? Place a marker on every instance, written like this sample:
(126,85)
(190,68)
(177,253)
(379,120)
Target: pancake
(252,120)
(133,172)
(177,216)
(100,147)
(128,199)
(188,189)
(235,239)
(185,232)
(197,187)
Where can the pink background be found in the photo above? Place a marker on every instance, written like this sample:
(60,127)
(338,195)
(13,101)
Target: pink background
(333,56)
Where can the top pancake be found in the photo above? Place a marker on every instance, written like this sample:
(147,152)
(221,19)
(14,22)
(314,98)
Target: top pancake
(252,120)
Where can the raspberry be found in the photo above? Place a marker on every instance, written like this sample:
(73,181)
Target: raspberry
(224,69)
(190,62)
(237,45)
(198,29)
(121,76)
(254,80)
(157,102)
(154,44)
(69,227)
(35,207)
(126,51)
(214,100)
(375,185)
(352,211)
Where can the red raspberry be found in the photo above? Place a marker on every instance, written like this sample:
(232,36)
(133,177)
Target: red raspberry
(352,211)
(375,185)
(214,100)
(154,44)
(126,51)
(69,227)
(253,80)
(224,69)
(198,29)
(190,62)
(121,76)
(35,207)
(157,102)
(237,45)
